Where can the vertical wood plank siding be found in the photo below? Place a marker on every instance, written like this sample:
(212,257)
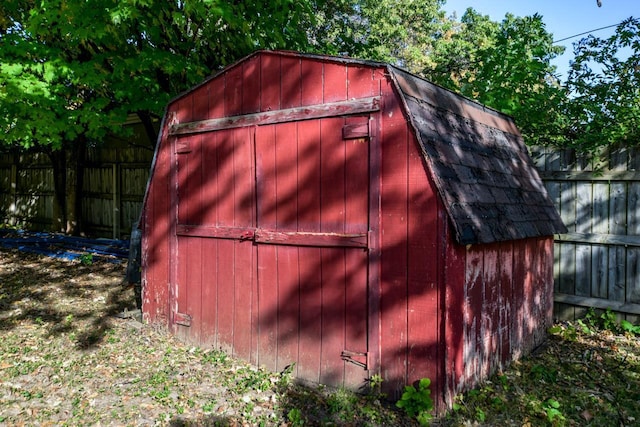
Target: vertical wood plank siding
(114,183)
(597,263)
(302,304)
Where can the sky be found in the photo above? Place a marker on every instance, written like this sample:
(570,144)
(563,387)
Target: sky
(563,18)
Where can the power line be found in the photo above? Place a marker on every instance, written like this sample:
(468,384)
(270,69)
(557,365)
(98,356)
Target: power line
(587,32)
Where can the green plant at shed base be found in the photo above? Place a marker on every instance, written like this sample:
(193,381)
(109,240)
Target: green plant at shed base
(375,383)
(417,402)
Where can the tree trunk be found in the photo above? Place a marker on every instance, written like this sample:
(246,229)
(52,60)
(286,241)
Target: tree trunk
(68,172)
(149,128)
(58,162)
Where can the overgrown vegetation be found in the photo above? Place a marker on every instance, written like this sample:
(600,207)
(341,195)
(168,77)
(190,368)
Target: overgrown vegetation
(66,358)
(416,401)
(587,373)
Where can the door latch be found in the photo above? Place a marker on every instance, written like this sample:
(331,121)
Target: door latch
(355,357)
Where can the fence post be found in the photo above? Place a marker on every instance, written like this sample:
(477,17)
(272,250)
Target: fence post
(13,193)
(116,199)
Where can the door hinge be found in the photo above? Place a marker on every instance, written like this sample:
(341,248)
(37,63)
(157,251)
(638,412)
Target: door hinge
(182,319)
(183,146)
(357,358)
(355,130)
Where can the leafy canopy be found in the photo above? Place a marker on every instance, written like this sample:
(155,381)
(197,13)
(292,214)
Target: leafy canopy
(604,83)
(72,68)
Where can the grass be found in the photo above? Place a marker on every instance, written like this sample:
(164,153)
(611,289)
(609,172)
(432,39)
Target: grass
(65,359)
(586,374)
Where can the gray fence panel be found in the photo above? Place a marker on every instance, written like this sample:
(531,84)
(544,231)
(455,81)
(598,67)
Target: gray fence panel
(598,260)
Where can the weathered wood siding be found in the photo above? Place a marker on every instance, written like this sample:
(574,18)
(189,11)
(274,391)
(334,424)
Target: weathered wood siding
(597,263)
(498,306)
(411,334)
(26,190)
(114,182)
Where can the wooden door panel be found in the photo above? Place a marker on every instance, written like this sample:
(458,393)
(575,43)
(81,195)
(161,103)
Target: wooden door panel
(312,234)
(216,192)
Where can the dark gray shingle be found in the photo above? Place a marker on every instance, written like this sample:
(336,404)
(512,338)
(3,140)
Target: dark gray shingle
(480,164)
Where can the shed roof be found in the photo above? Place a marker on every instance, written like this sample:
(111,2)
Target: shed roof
(480,165)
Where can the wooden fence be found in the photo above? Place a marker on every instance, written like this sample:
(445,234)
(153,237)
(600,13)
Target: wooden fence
(597,263)
(114,182)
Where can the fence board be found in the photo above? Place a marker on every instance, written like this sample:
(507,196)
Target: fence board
(598,261)
(114,182)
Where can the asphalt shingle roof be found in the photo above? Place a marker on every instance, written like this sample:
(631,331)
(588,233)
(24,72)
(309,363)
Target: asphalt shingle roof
(480,165)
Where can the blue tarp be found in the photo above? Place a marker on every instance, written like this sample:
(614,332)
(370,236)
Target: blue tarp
(65,247)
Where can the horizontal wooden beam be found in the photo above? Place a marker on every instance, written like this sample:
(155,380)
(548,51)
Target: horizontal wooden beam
(599,239)
(589,176)
(356,240)
(237,233)
(293,238)
(332,109)
(599,303)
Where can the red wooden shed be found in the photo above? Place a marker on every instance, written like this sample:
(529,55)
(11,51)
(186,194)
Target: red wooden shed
(350,218)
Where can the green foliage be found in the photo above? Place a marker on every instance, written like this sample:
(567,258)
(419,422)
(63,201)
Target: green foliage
(630,327)
(544,373)
(607,321)
(86,259)
(375,382)
(551,408)
(295,417)
(401,32)
(342,403)
(417,402)
(506,66)
(604,82)
(72,68)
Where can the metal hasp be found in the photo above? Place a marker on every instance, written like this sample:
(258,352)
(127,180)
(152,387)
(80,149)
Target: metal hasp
(357,358)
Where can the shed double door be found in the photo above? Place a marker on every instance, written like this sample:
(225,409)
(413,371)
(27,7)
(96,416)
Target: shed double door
(272,245)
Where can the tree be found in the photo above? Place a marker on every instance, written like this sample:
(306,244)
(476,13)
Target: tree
(506,66)
(604,82)
(401,32)
(71,70)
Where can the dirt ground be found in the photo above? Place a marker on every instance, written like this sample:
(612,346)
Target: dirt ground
(67,358)
(71,353)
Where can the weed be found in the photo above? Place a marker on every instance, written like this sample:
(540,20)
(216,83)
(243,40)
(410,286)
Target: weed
(504,381)
(162,393)
(543,373)
(417,402)
(209,406)
(86,259)
(295,417)
(586,327)
(216,357)
(250,378)
(286,376)
(375,382)
(341,403)
(630,327)
(551,407)
(565,332)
